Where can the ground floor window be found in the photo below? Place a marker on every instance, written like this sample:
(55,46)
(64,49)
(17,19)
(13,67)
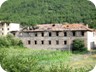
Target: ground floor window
(49,42)
(35,42)
(29,42)
(65,42)
(57,42)
(42,42)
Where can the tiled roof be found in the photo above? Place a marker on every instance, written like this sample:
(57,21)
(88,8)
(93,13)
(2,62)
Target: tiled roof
(61,27)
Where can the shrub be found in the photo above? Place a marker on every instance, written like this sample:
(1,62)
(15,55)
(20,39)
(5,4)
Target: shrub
(78,45)
(28,60)
(10,40)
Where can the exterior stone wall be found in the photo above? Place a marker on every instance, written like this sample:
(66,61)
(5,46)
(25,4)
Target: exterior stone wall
(59,41)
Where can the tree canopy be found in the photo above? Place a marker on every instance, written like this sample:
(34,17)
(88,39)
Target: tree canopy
(30,12)
(78,45)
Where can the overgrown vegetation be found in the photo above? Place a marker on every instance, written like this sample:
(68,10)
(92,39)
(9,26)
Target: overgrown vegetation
(78,45)
(28,60)
(30,12)
(9,40)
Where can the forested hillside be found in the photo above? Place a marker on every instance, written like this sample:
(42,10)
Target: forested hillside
(31,12)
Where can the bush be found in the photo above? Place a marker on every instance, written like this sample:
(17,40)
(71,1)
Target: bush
(28,60)
(78,45)
(10,40)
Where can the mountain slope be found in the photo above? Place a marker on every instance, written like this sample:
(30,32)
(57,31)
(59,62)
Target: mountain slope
(48,11)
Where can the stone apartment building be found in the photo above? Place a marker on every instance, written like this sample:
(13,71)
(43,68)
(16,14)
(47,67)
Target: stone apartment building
(57,36)
(6,27)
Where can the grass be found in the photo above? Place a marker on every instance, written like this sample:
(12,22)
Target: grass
(28,60)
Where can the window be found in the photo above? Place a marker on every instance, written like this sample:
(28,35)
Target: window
(82,33)
(57,42)
(65,33)
(35,34)
(7,28)
(42,42)
(65,42)
(35,42)
(50,34)
(57,33)
(42,34)
(94,34)
(2,29)
(29,42)
(49,42)
(74,33)
(8,24)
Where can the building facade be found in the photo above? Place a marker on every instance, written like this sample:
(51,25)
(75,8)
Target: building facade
(6,28)
(57,36)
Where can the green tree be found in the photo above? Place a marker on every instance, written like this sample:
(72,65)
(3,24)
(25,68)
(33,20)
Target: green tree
(31,12)
(78,45)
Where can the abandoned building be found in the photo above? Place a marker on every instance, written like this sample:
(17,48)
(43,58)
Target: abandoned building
(57,36)
(51,36)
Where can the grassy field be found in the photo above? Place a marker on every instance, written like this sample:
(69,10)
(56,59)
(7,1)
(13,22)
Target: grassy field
(28,60)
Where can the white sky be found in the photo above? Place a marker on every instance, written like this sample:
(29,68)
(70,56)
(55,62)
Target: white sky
(1,2)
(94,2)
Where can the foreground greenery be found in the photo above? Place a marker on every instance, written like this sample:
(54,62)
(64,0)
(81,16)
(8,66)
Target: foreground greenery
(10,40)
(17,59)
(30,12)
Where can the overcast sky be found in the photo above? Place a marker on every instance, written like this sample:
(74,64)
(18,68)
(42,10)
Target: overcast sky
(94,2)
(1,2)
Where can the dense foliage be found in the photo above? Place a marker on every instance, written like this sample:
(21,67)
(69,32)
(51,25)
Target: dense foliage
(78,45)
(31,12)
(28,60)
(9,40)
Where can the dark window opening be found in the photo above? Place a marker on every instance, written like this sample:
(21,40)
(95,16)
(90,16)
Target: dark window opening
(53,25)
(13,34)
(82,33)
(8,24)
(74,33)
(42,34)
(57,42)
(57,33)
(50,34)
(65,42)
(29,42)
(35,34)
(35,42)
(7,28)
(42,42)
(49,42)
(65,33)
(2,29)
